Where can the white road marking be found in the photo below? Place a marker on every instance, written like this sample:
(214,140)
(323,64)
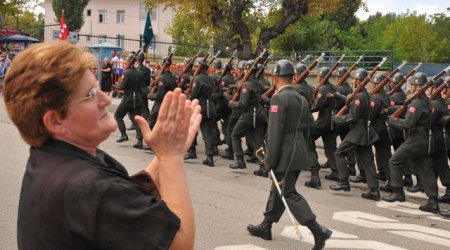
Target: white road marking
(240,247)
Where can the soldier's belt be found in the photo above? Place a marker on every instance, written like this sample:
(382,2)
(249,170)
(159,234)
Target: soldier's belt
(291,136)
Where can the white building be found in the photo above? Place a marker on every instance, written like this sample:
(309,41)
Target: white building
(116,22)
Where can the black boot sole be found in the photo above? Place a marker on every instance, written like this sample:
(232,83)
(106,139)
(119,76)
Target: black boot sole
(320,245)
(258,234)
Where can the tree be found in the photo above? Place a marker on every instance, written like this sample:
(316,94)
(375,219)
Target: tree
(248,24)
(32,24)
(74,12)
(12,9)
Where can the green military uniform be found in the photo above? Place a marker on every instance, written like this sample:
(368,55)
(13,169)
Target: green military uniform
(166,83)
(144,77)
(288,129)
(131,102)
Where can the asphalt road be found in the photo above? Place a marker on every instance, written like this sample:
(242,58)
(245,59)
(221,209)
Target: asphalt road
(226,201)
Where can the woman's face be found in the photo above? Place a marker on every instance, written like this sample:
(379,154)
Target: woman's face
(88,121)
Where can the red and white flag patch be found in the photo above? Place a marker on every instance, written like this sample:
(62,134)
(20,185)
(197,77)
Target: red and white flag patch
(194,85)
(372,104)
(319,95)
(448,107)
(160,84)
(222,83)
(244,91)
(392,103)
(357,102)
(273,108)
(432,111)
(182,80)
(412,110)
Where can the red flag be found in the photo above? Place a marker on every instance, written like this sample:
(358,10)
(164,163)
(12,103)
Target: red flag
(63,29)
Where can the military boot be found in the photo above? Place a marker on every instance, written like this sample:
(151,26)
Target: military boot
(252,159)
(341,185)
(417,188)
(138,144)
(123,137)
(397,195)
(407,181)
(191,153)
(240,163)
(320,233)
(373,194)
(334,176)
(361,178)
(261,171)
(446,197)
(325,165)
(209,161)
(381,176)
(227,155)
(315,180)
(387,188)
(248,151)
(432,206)
(263,230)
(352,170)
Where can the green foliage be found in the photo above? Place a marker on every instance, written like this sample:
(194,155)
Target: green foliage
(73,12)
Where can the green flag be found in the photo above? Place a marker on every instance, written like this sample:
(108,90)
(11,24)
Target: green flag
(148,32)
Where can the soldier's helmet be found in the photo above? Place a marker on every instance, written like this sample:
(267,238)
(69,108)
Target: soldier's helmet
(259,66)
(217,64)
(341,71)
(299,68)
(438,82)
(165,59)
(283,67)
(360,74)
(419,78)
(241,65)
(200,62)
(324,71)
(378,78)
(398,77)
(249,64)
(141,57)
(187,60)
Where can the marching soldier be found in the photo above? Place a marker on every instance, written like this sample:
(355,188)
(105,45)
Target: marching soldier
(325,126)
(417,148)
(446,197)
(165,84)
(202,88)
(286,156)
(378,102)
(223,111)
(144,77)
(251,120)
(360,138)
(306,90)
(131,102)
(186,77)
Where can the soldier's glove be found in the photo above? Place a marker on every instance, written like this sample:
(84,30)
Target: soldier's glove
(265,99)
(384,113)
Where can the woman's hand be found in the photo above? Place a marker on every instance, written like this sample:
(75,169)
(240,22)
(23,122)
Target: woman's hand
(177,124)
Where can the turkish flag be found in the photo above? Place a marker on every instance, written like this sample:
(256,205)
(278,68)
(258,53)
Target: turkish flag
(63,29)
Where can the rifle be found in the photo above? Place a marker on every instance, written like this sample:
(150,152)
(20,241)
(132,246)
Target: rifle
(347,74)
(419,92)
(310,67)
(439,89)
(261,70)
(213,58)
(385,80)
(128,66)
(164,67)
(361,85)
(186,68)
(247,75)
(239,77)
(326,77)
(197,71)
(225,71)
(400,84)
(304,59)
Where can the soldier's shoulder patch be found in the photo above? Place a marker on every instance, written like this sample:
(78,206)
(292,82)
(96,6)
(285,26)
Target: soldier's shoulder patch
(273,108)
(448,107)
(319,95)
(244,90)
(392,103)
(372,104)
(432,110)
(357,102)
(160,84)
(222,83)
(193,85)
(182,80)
(412,110)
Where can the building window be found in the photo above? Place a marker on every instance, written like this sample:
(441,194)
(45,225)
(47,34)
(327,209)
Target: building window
(55,34)
(142,10)
(120,16)
(120,40)
(88,38)
(102,16)
(153,14)
(101,38)
(88,12)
